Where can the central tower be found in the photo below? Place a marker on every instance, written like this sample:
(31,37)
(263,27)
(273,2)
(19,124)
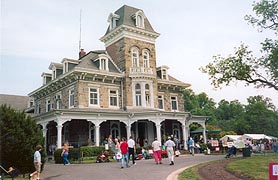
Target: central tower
(130,42)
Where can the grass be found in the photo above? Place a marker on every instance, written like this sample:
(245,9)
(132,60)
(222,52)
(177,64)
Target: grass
(190,173)
(255,167)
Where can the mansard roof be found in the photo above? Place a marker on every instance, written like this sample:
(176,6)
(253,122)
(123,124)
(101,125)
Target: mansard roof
(89,61)
(126,14)
(172,81)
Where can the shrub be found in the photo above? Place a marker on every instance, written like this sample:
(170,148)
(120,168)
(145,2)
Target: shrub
(19,136)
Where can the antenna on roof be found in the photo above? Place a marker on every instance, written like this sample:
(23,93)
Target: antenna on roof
(80,31)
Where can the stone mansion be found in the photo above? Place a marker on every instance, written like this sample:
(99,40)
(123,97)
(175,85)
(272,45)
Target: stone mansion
(118,91)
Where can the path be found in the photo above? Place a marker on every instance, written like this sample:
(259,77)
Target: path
(144,169)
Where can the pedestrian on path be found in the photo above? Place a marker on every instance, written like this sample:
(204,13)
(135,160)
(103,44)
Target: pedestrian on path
(131,149)
(191,144)
(124,151)
(157,151)
(65,154)
(37,163)
(169,144)
(117,149)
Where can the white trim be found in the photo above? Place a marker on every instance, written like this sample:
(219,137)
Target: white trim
(176,98)
(47,103)
(162,98)
(89,96)
(71,89)
(117,96)
(129,32)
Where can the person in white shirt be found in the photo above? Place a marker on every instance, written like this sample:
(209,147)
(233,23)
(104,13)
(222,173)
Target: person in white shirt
(37,162)
(170,150)
(131,149)
(157,151)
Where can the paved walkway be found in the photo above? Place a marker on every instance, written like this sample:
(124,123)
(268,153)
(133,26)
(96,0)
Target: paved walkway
(144,169)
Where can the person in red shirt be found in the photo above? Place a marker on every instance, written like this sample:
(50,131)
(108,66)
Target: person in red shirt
(124,151)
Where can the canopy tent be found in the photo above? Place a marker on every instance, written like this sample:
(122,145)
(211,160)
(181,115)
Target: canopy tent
(231,137)
(207,131)
(255,136)
(273,138)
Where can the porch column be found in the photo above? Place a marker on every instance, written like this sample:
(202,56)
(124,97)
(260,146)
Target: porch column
(184,137)
(158,132)
(205,134)
(44,132)
(187,133)
(97,134)
(59,135)
(128,132)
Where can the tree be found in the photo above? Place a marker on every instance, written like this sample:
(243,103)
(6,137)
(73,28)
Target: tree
(190,101)
(19,136)
(199,104)
(242,65)
(260,116)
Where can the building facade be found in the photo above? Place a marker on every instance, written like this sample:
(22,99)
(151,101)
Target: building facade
(118,91)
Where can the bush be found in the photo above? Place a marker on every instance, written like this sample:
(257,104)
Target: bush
(77,153)
(19,136)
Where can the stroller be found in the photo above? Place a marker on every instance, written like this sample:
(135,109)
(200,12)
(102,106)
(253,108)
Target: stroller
(12,171)
(231,152)
(103,157)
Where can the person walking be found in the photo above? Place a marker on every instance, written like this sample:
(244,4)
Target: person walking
(124,151)
(169,144)
(131,149)
(117,148)
(191,146)
(157,151)
(37,162)
(65,154)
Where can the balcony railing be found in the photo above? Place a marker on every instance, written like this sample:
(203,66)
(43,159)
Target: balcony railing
(141,71)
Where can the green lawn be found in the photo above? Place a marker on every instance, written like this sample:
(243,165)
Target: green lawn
(255,167)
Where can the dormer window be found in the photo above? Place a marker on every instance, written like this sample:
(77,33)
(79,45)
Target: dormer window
(102,62)
(112,20)
(146,59)
(57,70)
(69,64)
(139,17)
(164,74)
(135,57)
(46,77)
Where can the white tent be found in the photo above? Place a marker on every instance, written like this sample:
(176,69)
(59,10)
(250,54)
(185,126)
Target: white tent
(229,140)
(231,137)
(255,136)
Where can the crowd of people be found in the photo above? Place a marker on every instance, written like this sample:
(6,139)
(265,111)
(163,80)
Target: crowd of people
(125,149)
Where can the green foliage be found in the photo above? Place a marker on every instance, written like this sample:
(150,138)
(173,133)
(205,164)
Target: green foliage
(258,116)
(75,153)
(242,65)
(199,104)
(266,15)
(19,137)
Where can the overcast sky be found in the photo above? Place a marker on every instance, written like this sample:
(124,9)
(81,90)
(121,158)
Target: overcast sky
(35,33)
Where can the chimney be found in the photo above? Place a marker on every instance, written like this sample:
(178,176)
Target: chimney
(82,53)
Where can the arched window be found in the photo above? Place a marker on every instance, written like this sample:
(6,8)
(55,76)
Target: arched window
(140,21)
(135,57)
(146,59)
(147,95)
(138,95)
